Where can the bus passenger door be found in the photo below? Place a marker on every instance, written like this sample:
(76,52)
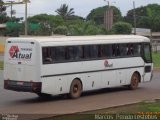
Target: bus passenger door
(148,66)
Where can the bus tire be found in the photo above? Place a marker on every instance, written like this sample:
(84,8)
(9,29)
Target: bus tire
(134,81)
(75,89)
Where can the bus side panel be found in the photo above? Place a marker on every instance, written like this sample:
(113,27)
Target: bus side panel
(125,69)
(61,84)
(97,76)
(108,79)
(63,74)
(55,85)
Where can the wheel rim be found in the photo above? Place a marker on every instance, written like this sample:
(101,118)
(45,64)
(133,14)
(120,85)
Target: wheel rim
(134,81)
(75,89)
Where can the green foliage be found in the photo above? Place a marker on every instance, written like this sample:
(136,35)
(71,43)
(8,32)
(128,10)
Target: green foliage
(97,15)
(61,30)
(121,28)
(12,29)
(3,17)
(156,59)
(129,112)
(46,24)
(146,17)
(65,12)
(156,24)
(86,28)
(143,22)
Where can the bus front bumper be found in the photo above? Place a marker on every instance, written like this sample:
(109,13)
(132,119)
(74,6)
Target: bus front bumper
(22,86)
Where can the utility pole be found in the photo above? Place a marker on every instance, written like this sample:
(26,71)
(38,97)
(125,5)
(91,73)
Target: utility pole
(11,3)
(26,22)
(23,2)
(134,16)
(108,16)
(108,19)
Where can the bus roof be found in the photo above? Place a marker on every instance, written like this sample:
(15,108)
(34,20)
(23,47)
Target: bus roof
(96,39)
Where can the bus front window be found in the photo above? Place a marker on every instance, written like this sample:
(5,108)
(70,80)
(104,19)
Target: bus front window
(147,53)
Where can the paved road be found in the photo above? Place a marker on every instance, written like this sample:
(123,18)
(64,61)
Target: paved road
(28,103)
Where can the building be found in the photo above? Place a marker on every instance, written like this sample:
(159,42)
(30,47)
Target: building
(154,36)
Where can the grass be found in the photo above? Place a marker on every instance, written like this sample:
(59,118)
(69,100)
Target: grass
(142,108)
(1,65)
(156,59)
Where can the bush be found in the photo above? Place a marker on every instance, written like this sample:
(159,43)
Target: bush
(62,30)
(121,28)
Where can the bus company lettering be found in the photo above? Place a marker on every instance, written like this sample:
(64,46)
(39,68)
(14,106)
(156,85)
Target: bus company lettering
(15,53)
(107,64)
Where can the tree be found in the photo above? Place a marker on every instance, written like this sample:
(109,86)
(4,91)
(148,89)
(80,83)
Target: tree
(65,12)
(97,15)
(61,30)
(3,17)
(146,16)
(47,23)
(156,24)
(121,28)
(13,29)
(86,28)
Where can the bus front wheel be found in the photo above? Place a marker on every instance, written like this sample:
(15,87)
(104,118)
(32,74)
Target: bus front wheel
(75,89)
(134,81)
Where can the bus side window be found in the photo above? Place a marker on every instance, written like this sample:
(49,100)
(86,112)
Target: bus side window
(94,51)
(78,52)
(60,54)
(130,51)
(137,49)
(115,50)
(123,50)
(74,53)
(106,51)
(86,49)
(70,55)
(47,55)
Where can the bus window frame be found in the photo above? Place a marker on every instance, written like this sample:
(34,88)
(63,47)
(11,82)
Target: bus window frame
(99,57)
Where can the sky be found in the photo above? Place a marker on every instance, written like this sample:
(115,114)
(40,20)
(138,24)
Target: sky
(81,7)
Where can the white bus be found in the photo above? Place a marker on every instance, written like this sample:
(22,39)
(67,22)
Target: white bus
(75,64)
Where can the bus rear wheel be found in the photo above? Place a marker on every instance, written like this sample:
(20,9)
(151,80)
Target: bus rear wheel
(75,89)
(134,81)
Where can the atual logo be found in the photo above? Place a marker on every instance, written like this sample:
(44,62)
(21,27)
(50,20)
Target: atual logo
(16,53)
(107,64)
